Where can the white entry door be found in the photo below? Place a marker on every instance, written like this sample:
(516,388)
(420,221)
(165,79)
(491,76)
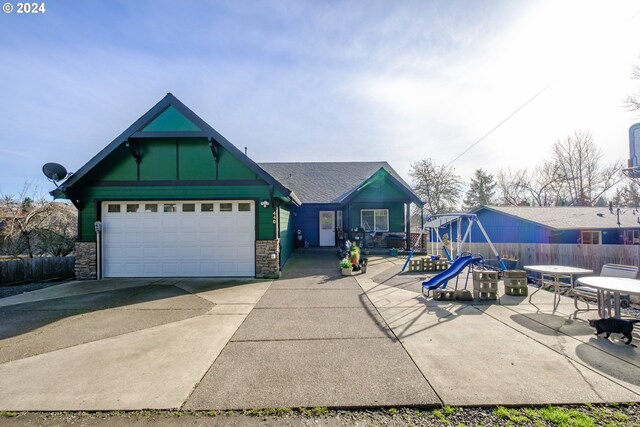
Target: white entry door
(327,228)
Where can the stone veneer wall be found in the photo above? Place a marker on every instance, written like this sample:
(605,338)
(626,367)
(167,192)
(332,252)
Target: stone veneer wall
(86,261)
(266,267)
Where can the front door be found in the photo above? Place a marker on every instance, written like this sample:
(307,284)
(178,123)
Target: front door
(327,228)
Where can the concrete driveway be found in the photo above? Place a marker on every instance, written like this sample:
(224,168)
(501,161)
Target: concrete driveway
(116,344)
(312,338)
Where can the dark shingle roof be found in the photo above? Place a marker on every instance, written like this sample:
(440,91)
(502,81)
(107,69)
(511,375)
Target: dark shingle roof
(325,182)
(572,217)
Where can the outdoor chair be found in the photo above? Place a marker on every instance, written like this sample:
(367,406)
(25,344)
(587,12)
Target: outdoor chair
(608,270)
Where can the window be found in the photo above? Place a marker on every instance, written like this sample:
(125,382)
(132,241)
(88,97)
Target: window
(133,208)
(170,207)
(151,207)
(226,207)
(206,207)
(631,237)
(244,207)
(188,207)
(591,237)
(113,208)
(374,219)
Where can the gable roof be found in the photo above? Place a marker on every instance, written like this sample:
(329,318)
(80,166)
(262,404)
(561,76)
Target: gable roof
(191,125)
(571,217)
(331,182)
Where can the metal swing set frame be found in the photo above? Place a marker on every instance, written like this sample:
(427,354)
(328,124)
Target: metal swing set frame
(458,219)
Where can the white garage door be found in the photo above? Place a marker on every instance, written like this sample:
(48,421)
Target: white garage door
(178,238)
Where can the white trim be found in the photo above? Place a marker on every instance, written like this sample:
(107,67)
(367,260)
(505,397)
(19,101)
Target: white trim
(598,232)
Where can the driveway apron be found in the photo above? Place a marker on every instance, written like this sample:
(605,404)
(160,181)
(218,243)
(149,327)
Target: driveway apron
(313,339)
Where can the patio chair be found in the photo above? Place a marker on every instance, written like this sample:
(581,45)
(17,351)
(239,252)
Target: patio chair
(608,270)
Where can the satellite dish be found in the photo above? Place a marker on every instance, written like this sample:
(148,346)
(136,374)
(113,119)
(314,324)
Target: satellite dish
(54,172)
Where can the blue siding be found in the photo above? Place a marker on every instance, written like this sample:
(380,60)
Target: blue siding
(503,228)
(307,219)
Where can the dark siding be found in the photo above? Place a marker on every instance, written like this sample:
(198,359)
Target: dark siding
(265,228)
(158,160)
(287,233)
(396,214)
(503,228)
(307,220)
(195,160)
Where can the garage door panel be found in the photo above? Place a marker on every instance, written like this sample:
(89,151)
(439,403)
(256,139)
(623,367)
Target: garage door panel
(178,243)
(151,269)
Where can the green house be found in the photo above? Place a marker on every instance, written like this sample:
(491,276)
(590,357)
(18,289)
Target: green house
(171,197)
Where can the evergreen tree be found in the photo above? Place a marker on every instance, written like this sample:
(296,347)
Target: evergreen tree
(482,190)
(630,195)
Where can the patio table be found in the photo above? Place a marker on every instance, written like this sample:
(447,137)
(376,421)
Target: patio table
(606,285)
(557,272)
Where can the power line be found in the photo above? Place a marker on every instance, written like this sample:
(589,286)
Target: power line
(499,124)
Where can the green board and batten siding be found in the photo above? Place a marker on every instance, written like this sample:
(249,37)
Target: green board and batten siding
(396,214)
(379,193)
(170,120)
(287,233)
(88,214)
(173,160)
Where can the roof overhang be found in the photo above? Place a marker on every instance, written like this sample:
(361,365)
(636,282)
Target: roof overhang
(206,131)
(381,173)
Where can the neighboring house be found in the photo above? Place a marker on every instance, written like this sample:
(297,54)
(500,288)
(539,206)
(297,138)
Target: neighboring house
(578,225)
(175,198)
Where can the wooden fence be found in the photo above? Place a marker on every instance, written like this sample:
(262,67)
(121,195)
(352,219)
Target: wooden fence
(592,257)
(36,269)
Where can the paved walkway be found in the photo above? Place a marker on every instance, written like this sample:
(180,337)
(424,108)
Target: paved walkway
(313,338)
(508,353)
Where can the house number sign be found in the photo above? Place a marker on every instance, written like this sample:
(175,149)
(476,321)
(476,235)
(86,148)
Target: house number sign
(274,216)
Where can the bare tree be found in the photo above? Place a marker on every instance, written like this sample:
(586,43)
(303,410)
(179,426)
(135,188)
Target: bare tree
(632,102)
(541,187)
(576,163)
(34,226)
(545,185)
(437,185)
(513,186)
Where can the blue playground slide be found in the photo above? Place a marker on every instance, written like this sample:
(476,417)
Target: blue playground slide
(448,274)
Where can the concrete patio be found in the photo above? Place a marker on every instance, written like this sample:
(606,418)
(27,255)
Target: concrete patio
(312,338)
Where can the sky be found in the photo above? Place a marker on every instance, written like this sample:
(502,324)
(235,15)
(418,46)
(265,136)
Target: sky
(328,80)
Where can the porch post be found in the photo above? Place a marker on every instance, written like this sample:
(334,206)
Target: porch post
(422,227)
(407,225)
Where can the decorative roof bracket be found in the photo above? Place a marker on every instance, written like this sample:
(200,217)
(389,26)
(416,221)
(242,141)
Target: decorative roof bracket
(213,145)
(134,149)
